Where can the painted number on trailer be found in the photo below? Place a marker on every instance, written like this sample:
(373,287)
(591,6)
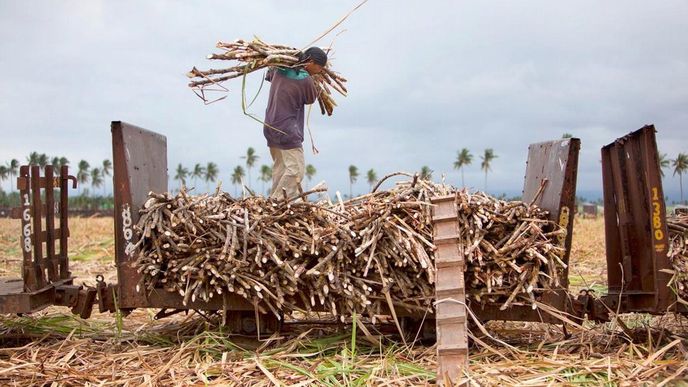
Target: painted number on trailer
(26,216)
(127,231)
(564,217)
(657,220)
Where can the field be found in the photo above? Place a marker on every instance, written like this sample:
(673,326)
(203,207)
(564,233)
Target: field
(54,347)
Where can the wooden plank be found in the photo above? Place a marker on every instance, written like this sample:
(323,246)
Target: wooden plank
(450,294)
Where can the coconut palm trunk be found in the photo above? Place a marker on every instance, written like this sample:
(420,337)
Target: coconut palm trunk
(680,165)
(680,183)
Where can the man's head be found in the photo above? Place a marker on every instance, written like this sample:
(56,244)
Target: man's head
(314,59)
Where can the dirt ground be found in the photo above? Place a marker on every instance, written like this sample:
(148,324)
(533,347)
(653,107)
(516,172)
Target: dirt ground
(53,346)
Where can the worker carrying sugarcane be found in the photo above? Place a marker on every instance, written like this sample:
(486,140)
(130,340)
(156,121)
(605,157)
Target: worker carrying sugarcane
(291,89)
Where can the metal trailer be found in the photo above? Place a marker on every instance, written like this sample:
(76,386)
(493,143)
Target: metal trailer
(589,210)
(140,166)
(46,279)
(635,230)
(681,210)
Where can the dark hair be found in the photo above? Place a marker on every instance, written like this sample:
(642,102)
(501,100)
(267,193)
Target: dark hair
(315,54)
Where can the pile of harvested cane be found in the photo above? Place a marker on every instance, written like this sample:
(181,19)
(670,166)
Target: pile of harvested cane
(678,253)
(365,255)
(511,248)
(256,55)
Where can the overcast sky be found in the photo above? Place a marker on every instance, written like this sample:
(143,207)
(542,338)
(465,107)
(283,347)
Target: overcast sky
(425,78)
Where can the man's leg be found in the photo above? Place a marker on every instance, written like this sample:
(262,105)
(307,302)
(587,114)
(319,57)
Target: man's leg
(294,170)
(277,168)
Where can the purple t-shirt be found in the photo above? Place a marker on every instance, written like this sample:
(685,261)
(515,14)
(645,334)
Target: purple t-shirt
(285,110)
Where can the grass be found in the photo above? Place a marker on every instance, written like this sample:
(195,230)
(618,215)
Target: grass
(190,350)
(53,346)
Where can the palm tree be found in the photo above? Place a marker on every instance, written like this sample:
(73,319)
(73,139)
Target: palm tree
(371,176)
(180,174)
(13,170)
(425,173)
(567,135)
(58,163)
(680,165)
(310,172)
(107,167)
(4,173)
(266,174)
(463,159)
(96,179)
(211,173)
(251,158)
(198,171)
(33,158)
(664,162)
(42,160)
(55,162)
(82,173)
(237,177)
(485,165)
(353,175)
(106,172)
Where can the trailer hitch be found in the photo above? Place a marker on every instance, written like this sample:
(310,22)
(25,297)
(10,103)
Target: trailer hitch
(591,306)
(79,298)
(106,295)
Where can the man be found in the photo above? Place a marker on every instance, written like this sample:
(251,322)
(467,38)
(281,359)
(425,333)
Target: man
(290,90)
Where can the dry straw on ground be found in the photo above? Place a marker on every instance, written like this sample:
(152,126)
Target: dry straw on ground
(67,351)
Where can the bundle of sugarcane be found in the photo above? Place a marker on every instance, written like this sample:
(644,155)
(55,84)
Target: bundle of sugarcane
(678,253)
(281,254)
(255,55)
(365,255)
(511,249)
(204,246)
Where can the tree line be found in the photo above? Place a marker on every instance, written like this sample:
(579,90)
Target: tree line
(87,176)
(95,176)
(242,174)
(210,172)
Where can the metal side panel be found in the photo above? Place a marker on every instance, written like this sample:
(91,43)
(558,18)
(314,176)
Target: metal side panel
(140,166)
(635,226)
(557,163)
